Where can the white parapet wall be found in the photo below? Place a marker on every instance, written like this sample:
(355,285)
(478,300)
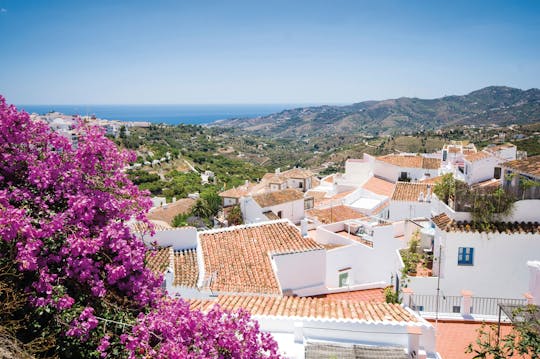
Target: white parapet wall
(178,238)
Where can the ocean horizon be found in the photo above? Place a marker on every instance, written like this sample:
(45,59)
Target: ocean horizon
(169,114)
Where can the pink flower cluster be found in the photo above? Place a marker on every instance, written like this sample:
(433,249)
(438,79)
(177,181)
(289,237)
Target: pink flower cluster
(82,325)
(63,220)
(66,210)
(185,333)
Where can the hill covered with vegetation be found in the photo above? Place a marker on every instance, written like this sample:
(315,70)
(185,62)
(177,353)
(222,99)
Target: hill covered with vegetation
(491,105)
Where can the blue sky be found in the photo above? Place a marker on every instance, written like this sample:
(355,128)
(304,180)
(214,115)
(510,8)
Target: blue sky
(193,52)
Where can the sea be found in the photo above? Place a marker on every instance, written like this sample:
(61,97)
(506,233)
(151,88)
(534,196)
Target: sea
(169,114)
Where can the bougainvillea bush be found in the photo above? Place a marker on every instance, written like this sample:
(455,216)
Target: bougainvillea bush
(72,272)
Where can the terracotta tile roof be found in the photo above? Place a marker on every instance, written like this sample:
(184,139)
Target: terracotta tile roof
(411,161)
(273,198)
(299,173)
(186,268)
(143,227)
(158,260)
(445,223)
(491,183)
(379,186)
(504,146)
(441,220)
(333,214)
(274,178)
(307,307)
(529,166)
(454,337)
(477,156)
(168,212)
(365,295)
(271,215)
(408,191)
(239,256)
(431,180)
(236,192)
(315,194)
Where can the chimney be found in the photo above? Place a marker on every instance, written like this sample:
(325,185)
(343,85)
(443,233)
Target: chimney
(173,199)
(246,183)
(304,227)
(421,197)
(278,170)
(428,196)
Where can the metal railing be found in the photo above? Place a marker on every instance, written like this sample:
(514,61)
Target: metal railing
(428,303)
(490,306)
(452,304)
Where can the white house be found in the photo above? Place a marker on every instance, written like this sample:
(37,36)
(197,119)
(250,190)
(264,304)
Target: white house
(288,203)
(410,200)
(299,178)
(405,167)
(487,263)
(479,167)
(505,152)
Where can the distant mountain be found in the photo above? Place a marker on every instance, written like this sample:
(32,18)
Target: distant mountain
(495,104)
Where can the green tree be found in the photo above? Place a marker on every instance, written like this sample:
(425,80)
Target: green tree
(523,339)
(234,217)
(180,220)
(445,188)
(200,209)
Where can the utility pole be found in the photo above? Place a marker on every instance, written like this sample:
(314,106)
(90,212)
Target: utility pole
(438,289)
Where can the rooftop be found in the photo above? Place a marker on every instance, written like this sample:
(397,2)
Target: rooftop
(274,178)
(504,146)
(365,295)
(410,192)
(236,192)
(158,260)
(186,269)
(168,212)
(454,337)
(143,227)
(274,198)
(379,186)
(311,308)
(447,224)
(477,156)
(298,173)
(410,161)
(333,214)
(530,166)
(239,256)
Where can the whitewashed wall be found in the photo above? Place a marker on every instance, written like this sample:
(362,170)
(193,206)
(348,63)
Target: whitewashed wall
(400,210)
(301,270)
(179,238)
(293,210)
(481,170)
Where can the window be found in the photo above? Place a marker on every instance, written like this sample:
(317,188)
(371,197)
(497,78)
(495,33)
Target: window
(465,256)
(456,309)
(418,308)
(444,155)
(497,173)
(300,185)
(279,214)
(344,277)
